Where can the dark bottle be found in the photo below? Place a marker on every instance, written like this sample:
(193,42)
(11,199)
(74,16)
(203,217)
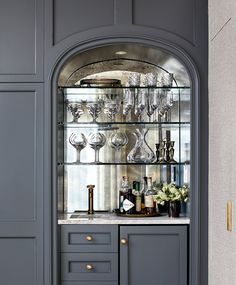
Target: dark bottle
(123,192)
(129,203)
(142,192)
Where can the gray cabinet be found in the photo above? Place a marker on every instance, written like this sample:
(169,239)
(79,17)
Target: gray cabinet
(89,253)
(153,255)
(147,255)
(21,176)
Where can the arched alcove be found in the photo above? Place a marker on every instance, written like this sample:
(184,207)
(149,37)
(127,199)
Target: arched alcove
(112,60)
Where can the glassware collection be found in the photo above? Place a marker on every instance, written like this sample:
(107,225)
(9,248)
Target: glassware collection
(153,99)
(132,125)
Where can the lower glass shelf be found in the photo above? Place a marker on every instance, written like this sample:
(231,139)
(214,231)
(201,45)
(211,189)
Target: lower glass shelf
(119,163)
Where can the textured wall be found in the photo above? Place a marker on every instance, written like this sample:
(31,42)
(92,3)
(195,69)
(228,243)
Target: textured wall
(222,118)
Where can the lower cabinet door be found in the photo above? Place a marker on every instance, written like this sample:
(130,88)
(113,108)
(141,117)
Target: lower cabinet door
(89,267)
(153,255)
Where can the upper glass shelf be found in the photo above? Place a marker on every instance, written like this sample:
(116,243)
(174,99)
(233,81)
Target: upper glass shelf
(126,124)
(75,91)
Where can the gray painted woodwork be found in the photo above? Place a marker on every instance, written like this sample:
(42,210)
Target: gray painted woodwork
(21,45)
(169,16)
(21,195)
(22,51)
(104,238)
(73,266)
(80,15)
(153,255)
(12,269)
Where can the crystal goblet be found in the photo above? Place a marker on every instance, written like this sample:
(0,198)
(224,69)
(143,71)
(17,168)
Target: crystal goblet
(78,141)
(96,141)
(111,108)
(76,110)
(117,141)
(94,109)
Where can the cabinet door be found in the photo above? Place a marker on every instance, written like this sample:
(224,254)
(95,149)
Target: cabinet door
(153,255)
(21,176)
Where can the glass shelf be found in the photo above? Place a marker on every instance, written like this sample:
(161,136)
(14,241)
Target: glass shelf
(122,87)
(130,124)
(118,163)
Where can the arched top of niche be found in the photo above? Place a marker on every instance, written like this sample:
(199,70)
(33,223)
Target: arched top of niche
(105,62)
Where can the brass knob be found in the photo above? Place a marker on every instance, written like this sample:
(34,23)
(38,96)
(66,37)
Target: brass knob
(123,241)
(89,267)
(89,238)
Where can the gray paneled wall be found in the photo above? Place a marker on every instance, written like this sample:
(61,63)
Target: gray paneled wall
(21,40)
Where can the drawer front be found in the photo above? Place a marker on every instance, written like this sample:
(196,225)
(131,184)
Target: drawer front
(89,238)
(89,266)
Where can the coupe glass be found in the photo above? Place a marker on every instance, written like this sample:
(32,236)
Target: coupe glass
(76,110)
(96,141)
(117,141)
(78,141)
(94,109)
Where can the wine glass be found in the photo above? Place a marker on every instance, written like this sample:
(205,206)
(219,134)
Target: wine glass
(128,102)
(76,110)
(141,102)
(96,141)
(78,141)
(94,109)
(167,80)
(117,141)
(111,108)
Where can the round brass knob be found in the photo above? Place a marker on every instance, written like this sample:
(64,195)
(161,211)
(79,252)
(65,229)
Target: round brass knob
(89,238)
(123,241)
(89,267)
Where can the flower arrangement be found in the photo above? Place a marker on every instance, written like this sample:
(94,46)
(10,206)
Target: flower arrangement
(171,193)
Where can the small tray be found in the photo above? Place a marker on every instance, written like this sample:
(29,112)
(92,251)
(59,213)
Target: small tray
(118,213)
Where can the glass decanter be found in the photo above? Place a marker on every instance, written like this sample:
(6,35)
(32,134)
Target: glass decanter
(141,153)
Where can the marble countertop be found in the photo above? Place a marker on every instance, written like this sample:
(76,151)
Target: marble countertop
(111,218)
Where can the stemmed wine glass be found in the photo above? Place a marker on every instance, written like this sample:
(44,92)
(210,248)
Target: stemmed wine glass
(76,110)
(140,104)
(111,108)
(96,141)
(150,82)
(94,109)
(78,141)
(117,141)
(167,80)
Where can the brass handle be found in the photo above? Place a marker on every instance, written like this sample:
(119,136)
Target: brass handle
(229,216)
(123,241)
(89,267)
(89,238)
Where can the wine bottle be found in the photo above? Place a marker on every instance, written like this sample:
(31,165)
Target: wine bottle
(149,203)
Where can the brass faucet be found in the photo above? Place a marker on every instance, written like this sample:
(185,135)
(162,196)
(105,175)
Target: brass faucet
(90,199)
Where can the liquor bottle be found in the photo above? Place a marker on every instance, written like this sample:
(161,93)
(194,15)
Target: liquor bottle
(138,200)
(149,203)
(123,192)
(129,202)
(142,192)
